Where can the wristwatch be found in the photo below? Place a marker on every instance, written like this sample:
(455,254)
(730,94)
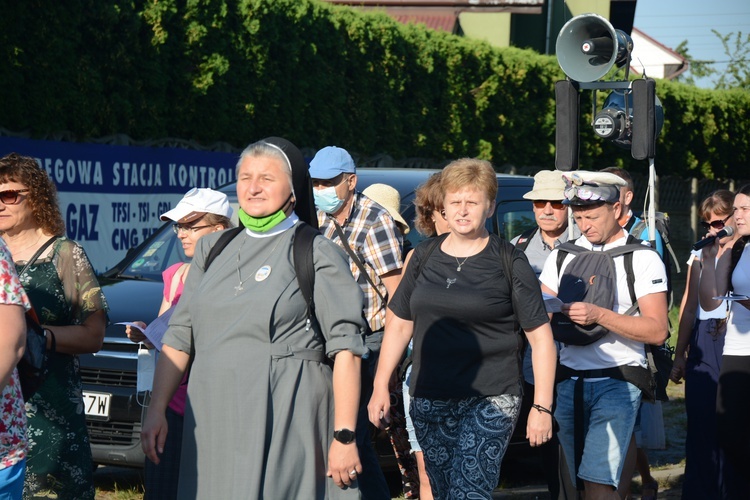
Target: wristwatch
(344,436)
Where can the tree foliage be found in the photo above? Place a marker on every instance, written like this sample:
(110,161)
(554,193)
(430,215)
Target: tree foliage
(737,74)
(318,74)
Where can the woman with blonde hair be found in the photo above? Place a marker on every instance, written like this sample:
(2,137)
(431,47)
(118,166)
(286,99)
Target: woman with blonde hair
(461,303)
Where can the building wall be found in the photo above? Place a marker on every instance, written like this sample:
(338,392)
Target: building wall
(493,27)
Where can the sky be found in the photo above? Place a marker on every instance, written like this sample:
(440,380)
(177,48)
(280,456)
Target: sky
(670,22)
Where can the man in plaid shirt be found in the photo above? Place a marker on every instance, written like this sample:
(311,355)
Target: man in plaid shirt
(374,238)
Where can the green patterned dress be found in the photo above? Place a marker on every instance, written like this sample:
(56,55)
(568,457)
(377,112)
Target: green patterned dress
(64,291)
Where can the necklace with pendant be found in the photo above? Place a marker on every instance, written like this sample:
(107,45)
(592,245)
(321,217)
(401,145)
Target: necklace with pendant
(460,263)
(261,274)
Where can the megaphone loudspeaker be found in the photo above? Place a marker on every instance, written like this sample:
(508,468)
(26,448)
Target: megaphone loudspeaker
(588,47)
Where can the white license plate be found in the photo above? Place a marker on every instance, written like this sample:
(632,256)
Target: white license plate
(96,404)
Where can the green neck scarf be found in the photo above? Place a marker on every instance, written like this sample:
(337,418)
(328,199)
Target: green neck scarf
(261,224)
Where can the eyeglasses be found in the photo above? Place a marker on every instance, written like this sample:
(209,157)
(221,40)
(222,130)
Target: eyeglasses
(556,205)
(187,229)
(716,224)
(326,183)
(11,196)
(582,193)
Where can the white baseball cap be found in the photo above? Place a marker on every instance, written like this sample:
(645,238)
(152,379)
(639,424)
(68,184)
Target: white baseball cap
(196,203)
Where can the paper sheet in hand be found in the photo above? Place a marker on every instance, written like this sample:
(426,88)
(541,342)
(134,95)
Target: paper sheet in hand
(155,331)
(552,303)
(131,325)
(731,297)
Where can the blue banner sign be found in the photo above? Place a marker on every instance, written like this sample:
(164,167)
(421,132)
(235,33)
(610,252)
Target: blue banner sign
(111,197)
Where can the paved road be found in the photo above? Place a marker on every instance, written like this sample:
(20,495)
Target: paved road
(111,479)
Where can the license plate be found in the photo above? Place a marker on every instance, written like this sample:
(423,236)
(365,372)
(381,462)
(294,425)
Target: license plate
(96,404)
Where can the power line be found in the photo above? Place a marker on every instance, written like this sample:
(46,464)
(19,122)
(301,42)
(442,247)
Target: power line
(712,14)
(683,26)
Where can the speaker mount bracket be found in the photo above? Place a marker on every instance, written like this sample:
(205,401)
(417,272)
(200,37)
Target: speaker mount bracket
(603,85)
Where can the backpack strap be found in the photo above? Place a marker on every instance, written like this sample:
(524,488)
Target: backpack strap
(430,246)
(36,255)
(507,255)
(523,240)
(563,251)
(435,241)
(632,244)
(304,267)
(652,367)
(220,244)
(302,251)
(354,258)
(637,231)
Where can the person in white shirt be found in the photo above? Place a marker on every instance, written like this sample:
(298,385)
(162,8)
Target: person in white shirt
(610,402)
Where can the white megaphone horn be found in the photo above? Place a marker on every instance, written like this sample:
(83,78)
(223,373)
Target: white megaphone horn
(588,47)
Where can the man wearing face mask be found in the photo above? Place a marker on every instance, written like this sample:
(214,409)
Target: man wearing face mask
(373,242)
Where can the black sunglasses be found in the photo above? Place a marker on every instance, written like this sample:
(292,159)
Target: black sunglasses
(716,224)
(557,205)
(11,196)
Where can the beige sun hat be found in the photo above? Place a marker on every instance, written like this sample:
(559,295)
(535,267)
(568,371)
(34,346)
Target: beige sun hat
(548,185)
(388,198)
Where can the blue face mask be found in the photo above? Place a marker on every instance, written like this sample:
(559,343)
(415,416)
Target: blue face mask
(326,199)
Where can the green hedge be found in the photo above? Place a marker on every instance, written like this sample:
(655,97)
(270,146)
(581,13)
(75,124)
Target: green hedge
(318,74)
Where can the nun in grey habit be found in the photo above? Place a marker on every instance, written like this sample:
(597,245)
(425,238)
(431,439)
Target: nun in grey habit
(262,402)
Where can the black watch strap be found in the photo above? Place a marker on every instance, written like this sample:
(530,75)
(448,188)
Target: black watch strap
(344,436)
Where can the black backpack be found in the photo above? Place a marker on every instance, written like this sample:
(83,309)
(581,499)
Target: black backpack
(590,277)
(302,252)
(659,357)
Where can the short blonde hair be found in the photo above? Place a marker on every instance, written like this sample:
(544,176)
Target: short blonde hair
(470,172)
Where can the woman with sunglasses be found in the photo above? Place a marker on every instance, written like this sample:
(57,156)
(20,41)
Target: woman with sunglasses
(700,342)
(200,212)
(732,275)
(65,294)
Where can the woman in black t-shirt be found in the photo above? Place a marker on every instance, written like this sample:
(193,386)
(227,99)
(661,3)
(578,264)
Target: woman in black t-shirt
(454,298)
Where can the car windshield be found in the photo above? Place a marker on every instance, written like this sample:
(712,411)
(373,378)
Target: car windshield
(163,249)
(160,252)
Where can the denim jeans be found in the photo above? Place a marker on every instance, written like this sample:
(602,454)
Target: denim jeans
(610,409)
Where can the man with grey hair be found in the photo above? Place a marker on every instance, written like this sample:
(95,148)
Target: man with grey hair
(597,395)
(551,216)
